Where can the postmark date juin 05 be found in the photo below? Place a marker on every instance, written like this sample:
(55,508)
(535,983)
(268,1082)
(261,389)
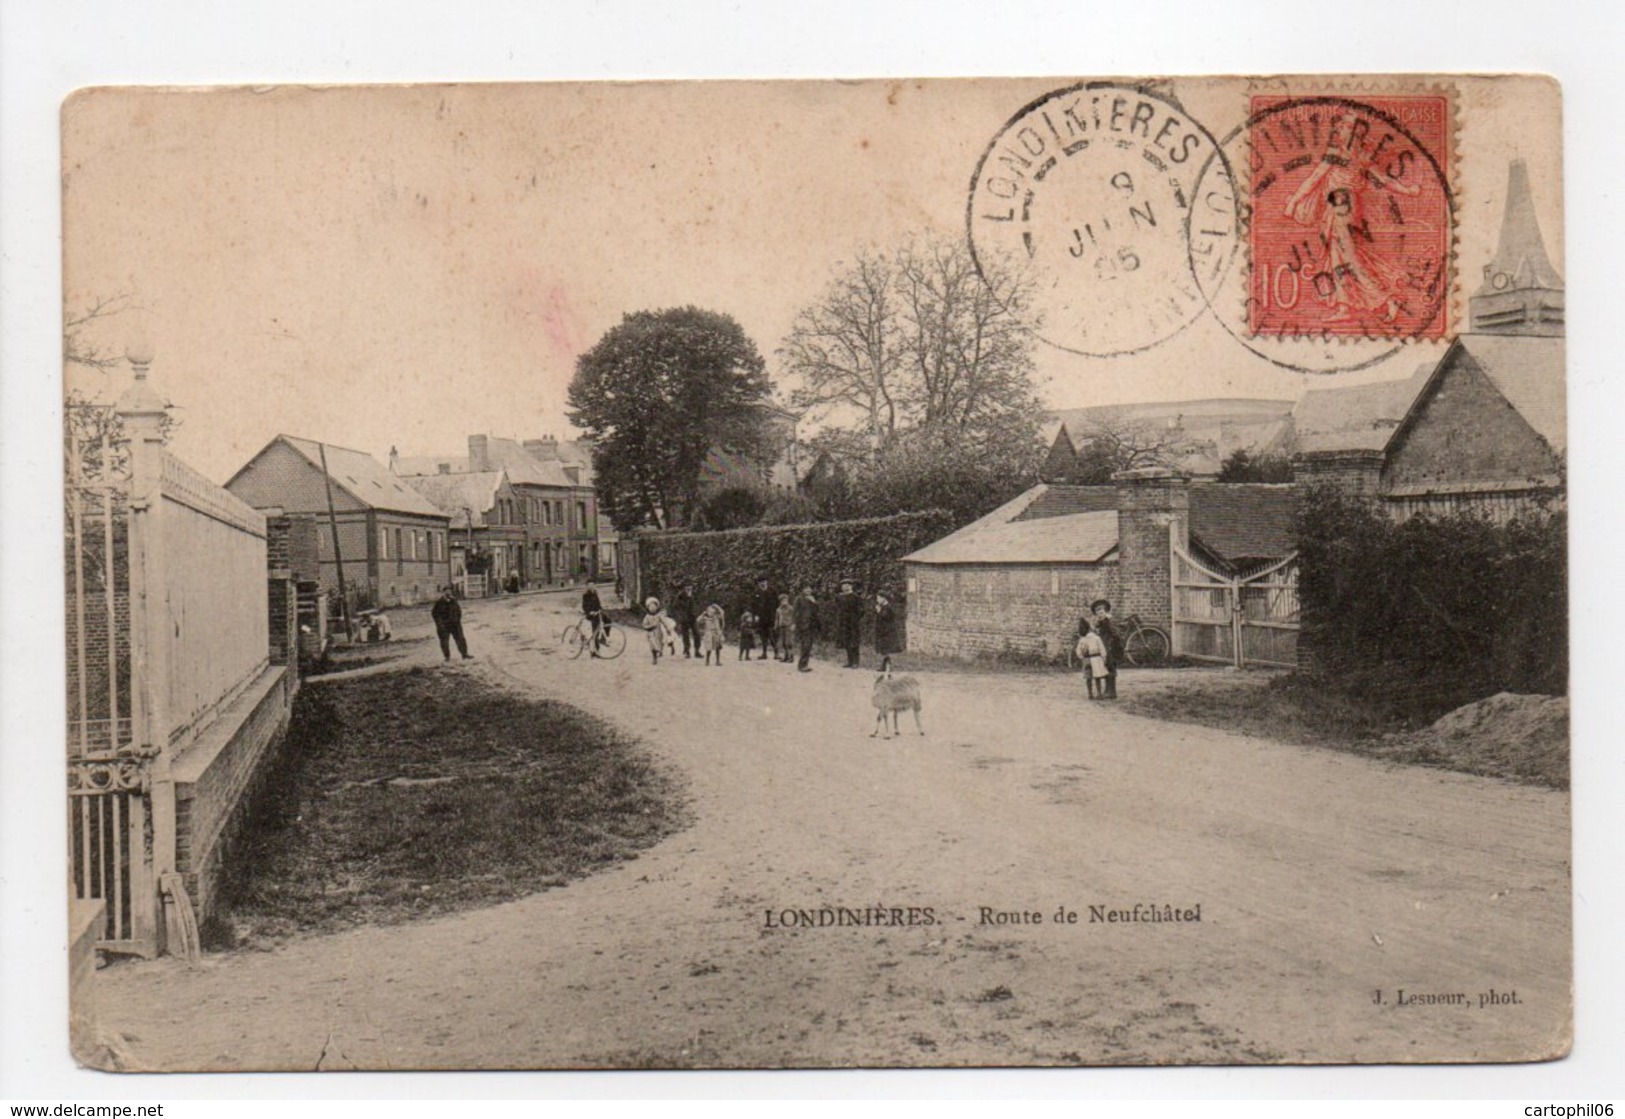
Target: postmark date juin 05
(1089,189)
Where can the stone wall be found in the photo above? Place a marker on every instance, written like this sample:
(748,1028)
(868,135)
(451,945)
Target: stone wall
(215,778)
(1031,610)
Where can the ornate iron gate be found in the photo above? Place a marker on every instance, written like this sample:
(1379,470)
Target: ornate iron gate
(1240,619)
(108,778)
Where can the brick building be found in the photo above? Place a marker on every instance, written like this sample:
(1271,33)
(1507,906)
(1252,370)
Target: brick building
(544,524)
(1018,579)
(394,543)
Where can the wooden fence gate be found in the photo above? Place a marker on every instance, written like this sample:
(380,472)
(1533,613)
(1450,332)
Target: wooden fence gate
(1240,619)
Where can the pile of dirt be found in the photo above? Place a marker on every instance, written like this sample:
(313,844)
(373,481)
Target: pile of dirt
(1506,735)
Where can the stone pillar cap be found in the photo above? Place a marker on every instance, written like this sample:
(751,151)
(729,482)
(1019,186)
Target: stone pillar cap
(1150,474)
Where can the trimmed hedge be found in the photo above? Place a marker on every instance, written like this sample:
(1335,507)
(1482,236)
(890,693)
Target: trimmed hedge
(724,566)
(1424,616)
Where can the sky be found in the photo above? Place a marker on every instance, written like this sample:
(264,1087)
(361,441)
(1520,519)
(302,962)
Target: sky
(402,266)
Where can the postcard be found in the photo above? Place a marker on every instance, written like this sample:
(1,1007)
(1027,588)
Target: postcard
(808,574)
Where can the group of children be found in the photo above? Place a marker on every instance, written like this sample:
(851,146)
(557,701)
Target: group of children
(711,628)
(1099,648)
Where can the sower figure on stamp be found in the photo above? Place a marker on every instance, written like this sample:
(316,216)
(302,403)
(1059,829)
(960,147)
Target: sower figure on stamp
(1112,640)
(448,623)
(848,621)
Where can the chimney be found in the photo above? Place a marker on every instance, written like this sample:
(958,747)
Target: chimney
(443,467)
(394,457)
(546,448)
(479,455)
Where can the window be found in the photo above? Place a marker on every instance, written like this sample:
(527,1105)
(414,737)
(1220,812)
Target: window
(383,543)
(400,556)
(581,515)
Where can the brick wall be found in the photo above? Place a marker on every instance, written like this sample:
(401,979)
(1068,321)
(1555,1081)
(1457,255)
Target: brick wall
(215,780)
(970,610)
(1465,432)
(283,609)
(1149,504)
(1354,473)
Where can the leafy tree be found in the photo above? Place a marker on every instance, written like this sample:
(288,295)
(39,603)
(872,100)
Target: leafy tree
(733,507)
(656,394)
(1243,467)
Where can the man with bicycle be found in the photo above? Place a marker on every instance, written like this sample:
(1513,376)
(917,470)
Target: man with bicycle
(593,610)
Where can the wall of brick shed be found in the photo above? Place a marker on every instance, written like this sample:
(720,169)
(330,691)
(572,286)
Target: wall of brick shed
(1465,431)
(1351,473)
(971,610)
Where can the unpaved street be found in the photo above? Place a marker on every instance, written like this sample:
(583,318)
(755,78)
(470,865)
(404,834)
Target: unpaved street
(1321,878)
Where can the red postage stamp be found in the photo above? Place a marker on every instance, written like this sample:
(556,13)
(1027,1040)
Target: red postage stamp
(1351,216)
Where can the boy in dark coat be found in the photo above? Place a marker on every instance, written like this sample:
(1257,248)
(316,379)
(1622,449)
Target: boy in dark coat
(448,623)
(685,614)
(848,622)
(766,608)
(806,626)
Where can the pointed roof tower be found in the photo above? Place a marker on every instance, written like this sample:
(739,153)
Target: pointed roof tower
(1521,293)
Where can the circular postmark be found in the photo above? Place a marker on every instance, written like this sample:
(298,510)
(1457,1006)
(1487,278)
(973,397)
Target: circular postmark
(1343,211)
(1088,190)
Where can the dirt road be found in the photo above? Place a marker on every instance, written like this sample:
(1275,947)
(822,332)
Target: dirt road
(1321,880)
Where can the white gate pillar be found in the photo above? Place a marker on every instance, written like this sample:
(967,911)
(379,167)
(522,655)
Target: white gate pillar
(141,413)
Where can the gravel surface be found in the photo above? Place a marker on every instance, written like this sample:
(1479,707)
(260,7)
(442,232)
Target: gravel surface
(1321,880)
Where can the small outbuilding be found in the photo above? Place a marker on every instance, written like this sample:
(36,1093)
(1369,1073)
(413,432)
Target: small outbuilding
(1017,580)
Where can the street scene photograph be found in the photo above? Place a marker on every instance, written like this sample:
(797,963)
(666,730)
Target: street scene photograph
(816,574)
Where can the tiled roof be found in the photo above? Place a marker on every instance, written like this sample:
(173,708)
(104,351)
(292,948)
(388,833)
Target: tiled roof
(1244,521)
(1070,538)
(1529,372)
(1355,417)
(524,468)
(1078,524)
(457,494)
(1064,501)
(363,478)
(404,465)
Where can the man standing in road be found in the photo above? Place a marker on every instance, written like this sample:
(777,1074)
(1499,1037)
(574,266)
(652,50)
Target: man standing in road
(806,627)
(848,621)
(448,623)
(766,608)
(685,614)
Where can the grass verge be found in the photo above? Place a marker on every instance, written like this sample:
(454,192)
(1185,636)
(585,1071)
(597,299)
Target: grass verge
(1293,707)
(428,791)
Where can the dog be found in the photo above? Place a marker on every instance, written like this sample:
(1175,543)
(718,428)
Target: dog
(892,695)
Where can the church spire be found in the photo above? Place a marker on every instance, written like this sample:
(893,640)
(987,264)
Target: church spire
(1522,292)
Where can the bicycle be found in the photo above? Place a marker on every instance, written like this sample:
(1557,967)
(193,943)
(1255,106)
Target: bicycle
(1144,646)
(607,643)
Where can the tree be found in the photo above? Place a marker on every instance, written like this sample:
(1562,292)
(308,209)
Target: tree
(919,341)
(656,394)
(1241,466)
